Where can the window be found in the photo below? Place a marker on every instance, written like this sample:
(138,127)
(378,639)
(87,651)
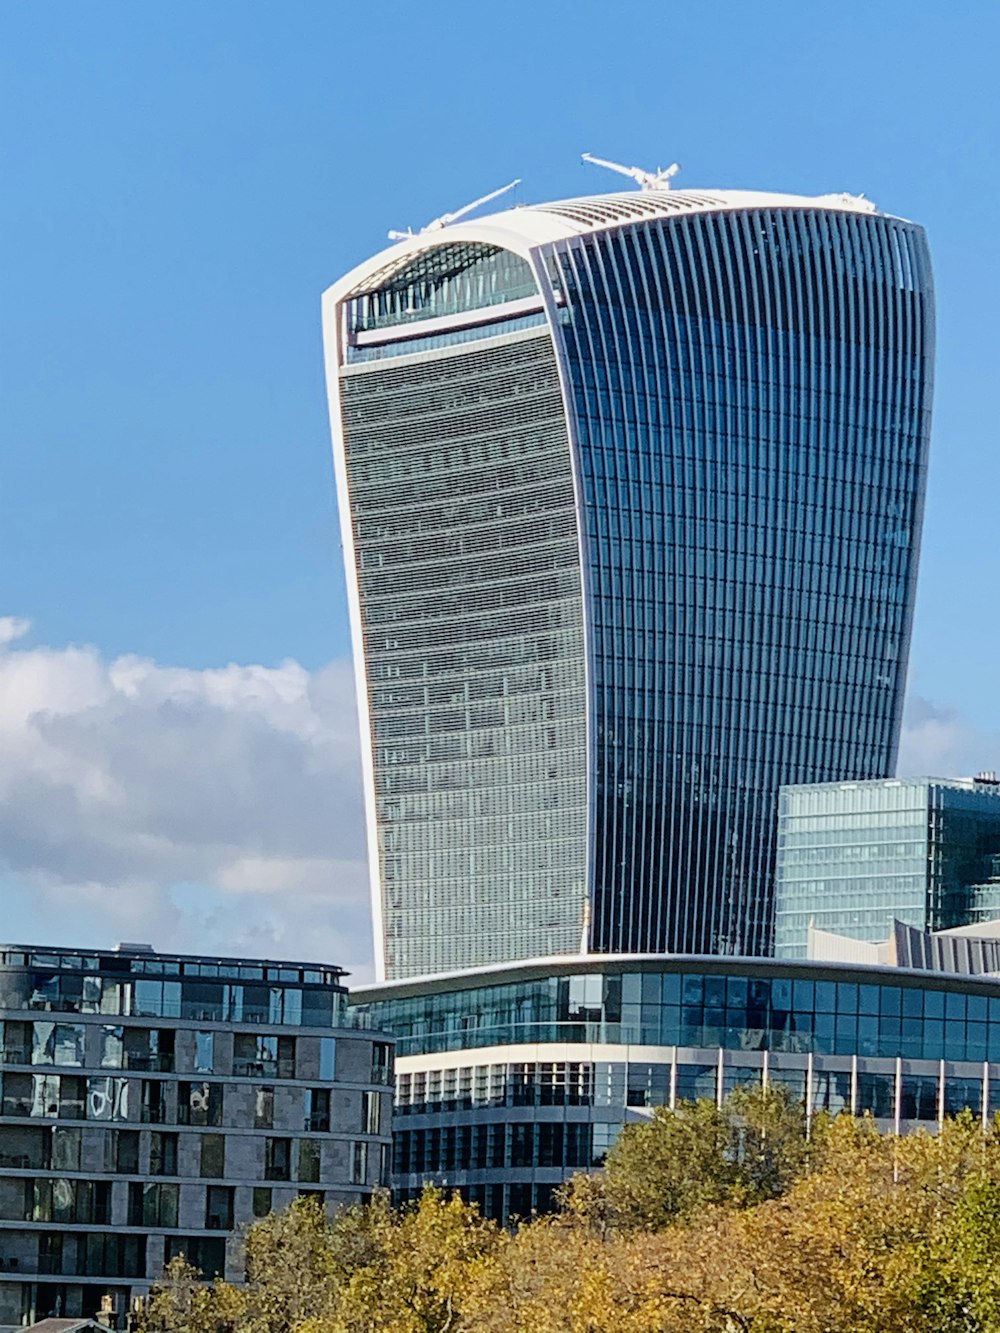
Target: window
(213,1155)
(277,1159)
(309,1160)
(163,1154)
(108,1098)
(219,1208)
(371,1103)
(59,1095)
(154,1102)
(261,1201)
(359,1163)
(112,1048)
(327,1058)
(150,1049)
(65,1154)
(126,1143)
(16,1043)
(58,1200)
(152,1204)
(57,1043)
(317,1110)
(381,1062)
(384,1165)
(263,1117)
(199,1104)
(206,1253)
(203,1052)
(267,1056)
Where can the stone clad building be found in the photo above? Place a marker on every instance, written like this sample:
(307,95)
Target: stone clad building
(154,1104)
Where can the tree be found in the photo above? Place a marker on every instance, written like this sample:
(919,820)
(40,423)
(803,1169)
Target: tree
(678,1162)
(183,1301)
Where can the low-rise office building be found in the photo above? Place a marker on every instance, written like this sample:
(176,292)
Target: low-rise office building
(154,1104)
(854,856)
(511,1078)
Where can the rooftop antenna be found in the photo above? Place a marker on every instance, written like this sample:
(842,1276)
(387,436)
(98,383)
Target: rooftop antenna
(446,219)
(646,180)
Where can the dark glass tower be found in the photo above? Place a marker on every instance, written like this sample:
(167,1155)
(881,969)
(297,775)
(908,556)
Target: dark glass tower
(631,491)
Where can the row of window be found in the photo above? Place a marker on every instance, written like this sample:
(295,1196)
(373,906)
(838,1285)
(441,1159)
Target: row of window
(213,1001)
(158,1102)
(703,1009)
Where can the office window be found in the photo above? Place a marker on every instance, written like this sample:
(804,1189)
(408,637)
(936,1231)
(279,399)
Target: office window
(261,1200)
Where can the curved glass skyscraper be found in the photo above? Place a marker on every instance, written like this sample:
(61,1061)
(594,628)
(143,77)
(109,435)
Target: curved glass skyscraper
(631,491)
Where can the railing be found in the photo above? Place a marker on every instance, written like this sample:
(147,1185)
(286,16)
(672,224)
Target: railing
(246,1068)
(154,1064)
(19,1106)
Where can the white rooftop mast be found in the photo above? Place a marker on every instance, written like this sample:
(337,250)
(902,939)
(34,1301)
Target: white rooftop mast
(446,219)
(646,180)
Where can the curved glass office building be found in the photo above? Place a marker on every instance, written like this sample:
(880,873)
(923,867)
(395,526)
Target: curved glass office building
(510,1079)
(631,492)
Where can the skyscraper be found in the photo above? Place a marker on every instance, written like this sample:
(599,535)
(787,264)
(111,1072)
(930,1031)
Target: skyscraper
(631,491)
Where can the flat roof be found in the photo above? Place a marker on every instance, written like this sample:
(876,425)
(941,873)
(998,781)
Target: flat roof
(536,969)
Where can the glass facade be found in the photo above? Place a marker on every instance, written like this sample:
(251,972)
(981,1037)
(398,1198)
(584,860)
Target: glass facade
(851,858)
(714,585)
(469,572)
(732,1007)
(509,1080)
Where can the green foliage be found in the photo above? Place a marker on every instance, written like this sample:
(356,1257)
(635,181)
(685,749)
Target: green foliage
(706,1220)
(678,1162)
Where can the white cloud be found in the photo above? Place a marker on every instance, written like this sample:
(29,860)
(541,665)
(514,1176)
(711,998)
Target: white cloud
(11,628)
(220,810)
(941,742)
(214,810)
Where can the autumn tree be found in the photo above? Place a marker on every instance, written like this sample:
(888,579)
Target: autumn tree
(679,1161)
(182,1300)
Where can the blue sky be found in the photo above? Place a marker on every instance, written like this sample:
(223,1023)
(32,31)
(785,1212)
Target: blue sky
(181,181)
